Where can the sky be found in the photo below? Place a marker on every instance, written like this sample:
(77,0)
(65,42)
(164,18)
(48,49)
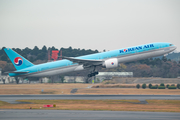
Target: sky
(88,24)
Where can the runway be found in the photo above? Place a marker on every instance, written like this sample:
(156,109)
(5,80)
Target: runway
(84,115)
(12,98)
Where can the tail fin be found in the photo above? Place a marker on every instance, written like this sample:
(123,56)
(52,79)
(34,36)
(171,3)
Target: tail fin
(18,61)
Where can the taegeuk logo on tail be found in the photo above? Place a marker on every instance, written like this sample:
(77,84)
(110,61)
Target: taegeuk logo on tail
(18,61)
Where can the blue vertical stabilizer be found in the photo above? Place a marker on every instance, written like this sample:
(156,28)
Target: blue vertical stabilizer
(18,61)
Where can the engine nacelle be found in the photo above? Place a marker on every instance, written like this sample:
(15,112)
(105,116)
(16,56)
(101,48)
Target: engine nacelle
(111,63)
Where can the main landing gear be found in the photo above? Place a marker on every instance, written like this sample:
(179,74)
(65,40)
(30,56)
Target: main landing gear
(92,73)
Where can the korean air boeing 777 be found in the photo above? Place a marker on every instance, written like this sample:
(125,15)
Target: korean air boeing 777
(110,59)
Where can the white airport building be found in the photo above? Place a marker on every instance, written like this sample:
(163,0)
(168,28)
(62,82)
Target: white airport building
(100,77)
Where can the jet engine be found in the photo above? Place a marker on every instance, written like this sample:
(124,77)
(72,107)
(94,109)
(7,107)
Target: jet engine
(110,63)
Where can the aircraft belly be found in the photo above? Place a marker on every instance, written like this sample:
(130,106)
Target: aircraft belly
(127,58)
(146,55)
(53,72)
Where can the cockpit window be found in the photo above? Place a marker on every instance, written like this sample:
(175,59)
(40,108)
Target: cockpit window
(170,44)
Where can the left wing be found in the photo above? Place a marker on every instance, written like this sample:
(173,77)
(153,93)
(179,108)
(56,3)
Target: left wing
(85,62)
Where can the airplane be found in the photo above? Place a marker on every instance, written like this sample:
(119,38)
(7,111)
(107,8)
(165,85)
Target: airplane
(109,59)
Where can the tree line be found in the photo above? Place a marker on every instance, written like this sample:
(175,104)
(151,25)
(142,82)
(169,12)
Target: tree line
(42,54)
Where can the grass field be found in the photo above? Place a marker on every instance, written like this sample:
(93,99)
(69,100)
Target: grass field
(110,105)
(10,89)
(45,86)
(37,88)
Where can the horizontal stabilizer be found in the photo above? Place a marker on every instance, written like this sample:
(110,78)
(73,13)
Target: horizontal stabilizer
(19,72)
